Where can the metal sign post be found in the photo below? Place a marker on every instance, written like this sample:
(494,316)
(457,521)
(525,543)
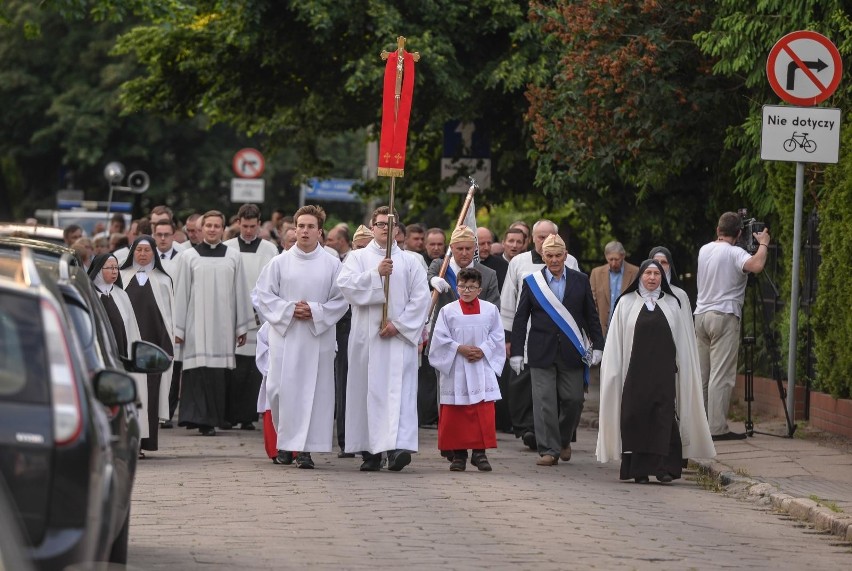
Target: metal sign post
(794,292)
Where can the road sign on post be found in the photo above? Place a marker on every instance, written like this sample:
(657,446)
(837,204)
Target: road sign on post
(806,134)
(804,68)
(248,163)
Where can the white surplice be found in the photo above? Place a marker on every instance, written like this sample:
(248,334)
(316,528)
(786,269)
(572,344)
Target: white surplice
(381,391)
(462,382)
(253,263)
(300,382)
(212,307)
(692,419)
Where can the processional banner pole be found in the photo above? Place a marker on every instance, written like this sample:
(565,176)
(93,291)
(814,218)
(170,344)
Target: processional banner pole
(397,95)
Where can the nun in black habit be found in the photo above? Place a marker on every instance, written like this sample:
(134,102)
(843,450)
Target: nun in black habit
(151,295)
(651,411)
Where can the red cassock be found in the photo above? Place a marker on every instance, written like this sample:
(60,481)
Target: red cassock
(270,436)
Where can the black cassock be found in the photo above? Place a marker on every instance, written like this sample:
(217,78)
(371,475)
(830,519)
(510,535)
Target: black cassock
(649,432)
(151,329)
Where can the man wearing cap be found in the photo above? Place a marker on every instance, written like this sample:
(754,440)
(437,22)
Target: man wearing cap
(381,391)
(517,393)
(462,247)
(564,339)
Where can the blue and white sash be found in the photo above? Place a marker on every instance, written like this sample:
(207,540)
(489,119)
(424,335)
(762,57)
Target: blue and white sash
(451,279)
(562,318)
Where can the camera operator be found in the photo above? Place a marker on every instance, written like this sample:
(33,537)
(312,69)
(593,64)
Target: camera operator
(723,270)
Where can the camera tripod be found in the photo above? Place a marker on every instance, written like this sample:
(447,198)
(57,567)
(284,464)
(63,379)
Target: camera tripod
(759,285)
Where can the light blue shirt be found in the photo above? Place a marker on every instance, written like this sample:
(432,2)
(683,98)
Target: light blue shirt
(556,285)
(614,288)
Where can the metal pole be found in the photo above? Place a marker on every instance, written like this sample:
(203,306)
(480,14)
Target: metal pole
(794,296)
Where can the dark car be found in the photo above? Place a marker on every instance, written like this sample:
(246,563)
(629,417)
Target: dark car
(69,435)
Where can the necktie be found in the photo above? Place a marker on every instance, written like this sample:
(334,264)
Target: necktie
(162,256)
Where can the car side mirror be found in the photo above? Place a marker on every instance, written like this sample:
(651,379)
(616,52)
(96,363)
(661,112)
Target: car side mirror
(114,388)
(147,358)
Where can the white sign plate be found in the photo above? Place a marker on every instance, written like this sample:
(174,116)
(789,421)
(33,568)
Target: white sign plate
(479,169)
(247,189)
(800,134)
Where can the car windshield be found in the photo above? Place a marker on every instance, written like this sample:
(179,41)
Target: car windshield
(23,370)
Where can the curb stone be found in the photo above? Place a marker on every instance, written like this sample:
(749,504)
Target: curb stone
(804,509)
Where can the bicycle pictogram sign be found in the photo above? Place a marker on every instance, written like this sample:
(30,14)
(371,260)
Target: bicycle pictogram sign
(800,141)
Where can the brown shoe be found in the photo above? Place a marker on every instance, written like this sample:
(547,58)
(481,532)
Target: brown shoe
(565,453)
(547,460)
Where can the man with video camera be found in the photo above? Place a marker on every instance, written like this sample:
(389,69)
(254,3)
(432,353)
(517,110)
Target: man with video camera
(723,268)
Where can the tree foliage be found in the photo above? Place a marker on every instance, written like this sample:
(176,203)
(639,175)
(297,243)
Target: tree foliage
(629,119)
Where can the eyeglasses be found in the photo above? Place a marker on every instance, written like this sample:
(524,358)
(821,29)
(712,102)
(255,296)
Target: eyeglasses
(380,224)
(111,268)
(163,235)
(467,289)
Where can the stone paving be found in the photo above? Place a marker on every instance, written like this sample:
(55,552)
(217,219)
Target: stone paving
(219,503)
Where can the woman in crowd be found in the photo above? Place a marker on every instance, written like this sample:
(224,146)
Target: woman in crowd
(149,289)
(104,272)
(651,410)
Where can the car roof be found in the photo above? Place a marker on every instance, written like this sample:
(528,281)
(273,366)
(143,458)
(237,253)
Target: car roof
(39,232)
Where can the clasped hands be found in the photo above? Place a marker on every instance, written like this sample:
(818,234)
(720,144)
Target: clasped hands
(302,311)
(471,353)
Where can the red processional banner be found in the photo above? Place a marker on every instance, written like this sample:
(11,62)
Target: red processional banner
(395,120)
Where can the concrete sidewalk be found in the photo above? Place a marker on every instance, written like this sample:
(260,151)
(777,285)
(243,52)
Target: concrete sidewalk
(808,476)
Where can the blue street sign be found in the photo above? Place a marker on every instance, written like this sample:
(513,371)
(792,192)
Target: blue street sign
(464,139)
(332,189)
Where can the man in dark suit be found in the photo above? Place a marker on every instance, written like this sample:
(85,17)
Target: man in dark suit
(462,245)
(485,238)
(558,303)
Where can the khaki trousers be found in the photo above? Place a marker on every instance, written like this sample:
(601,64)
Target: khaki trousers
(718,337)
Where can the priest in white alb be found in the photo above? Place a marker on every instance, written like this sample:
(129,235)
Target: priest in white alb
(381,388)
(297,294)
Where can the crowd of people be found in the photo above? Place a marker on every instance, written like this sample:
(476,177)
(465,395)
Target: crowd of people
(372,335)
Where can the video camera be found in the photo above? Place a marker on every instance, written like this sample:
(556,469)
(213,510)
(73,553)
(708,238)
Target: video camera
(748,227)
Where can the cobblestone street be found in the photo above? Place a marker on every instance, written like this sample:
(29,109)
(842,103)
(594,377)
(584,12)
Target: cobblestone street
(218,503)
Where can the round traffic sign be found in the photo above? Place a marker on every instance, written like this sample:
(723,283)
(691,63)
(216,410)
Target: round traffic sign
(248,163)
(804,68)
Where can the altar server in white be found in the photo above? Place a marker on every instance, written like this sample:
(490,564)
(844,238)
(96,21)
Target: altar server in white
(381,391)
(297,294)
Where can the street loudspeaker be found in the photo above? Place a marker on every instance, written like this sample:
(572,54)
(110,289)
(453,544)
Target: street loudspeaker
(114,172)
(138,181)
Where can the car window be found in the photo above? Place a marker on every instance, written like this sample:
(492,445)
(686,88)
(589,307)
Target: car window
(85,333)
(23,369)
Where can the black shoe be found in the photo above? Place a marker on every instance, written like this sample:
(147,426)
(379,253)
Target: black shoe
(665,478)
(481,462)
(226,425)
(641,480)
(207,431)
(285,458)
(529,441)
(372,463)
(167,424)
(458,464)
(247,426)
(729,436)
(448,454)
(342,454)
(304,461)
(398,459)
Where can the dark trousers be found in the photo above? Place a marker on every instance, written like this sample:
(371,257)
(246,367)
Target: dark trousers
(558,398)
(427,394)
(519,390)
(174,388)
(341,369)
(502,416)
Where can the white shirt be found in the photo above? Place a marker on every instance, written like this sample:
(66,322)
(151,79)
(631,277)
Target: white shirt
(721,278)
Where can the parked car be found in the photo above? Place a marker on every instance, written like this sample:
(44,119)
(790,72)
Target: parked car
(38,232)
(69,433)
(12,551)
